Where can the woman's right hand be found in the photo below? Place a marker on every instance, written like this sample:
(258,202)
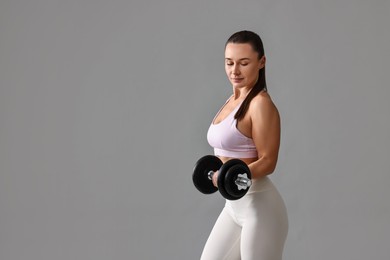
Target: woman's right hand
(215,178)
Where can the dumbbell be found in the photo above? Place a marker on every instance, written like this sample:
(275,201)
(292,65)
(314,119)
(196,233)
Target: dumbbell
(234,177)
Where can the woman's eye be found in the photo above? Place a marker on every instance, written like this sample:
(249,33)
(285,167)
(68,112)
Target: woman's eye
(244,64)
(229,64)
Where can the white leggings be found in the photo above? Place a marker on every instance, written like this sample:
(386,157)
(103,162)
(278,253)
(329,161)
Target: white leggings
(253,227)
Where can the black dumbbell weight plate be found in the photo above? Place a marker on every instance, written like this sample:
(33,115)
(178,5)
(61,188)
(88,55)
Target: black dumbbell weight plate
(200,176)
(230,178)
(221,177)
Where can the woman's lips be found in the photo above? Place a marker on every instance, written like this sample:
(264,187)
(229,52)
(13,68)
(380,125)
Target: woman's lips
(237,80)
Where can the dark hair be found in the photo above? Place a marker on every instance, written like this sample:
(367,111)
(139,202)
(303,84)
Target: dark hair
(257,44)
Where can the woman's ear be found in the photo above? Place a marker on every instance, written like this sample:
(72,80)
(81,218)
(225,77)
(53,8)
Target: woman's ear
(262,62)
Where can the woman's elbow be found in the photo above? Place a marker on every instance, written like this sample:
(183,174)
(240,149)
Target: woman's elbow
(271,163)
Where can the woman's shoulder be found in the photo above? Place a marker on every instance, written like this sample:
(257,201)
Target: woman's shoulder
(262,99)
(262,104)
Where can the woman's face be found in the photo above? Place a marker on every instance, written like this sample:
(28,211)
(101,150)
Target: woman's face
(242,64)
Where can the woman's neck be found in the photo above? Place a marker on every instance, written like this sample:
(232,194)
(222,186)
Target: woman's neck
(241,93)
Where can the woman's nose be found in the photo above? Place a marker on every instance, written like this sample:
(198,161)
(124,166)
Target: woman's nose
(236,70)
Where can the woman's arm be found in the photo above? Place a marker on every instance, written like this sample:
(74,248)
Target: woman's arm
(265,134)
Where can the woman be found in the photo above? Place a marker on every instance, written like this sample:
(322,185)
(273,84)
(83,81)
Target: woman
(248,127)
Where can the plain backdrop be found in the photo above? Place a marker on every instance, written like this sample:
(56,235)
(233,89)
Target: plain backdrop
(105,106)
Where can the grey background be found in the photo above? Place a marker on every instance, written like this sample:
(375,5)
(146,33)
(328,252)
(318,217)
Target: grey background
(105,105)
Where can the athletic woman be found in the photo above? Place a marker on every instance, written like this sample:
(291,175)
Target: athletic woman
(247,127)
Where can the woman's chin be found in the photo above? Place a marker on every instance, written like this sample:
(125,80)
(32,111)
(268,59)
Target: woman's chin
(238,85)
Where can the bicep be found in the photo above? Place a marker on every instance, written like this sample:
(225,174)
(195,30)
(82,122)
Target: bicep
(266,129)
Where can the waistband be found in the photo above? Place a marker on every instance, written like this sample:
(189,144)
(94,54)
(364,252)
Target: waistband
(261,184)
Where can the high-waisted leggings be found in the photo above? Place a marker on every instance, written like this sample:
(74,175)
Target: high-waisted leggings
(253,227)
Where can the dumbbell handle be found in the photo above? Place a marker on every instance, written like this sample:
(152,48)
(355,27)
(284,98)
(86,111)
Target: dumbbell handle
(242,181)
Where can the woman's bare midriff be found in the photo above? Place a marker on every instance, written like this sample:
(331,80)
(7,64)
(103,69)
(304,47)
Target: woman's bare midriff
(246,160)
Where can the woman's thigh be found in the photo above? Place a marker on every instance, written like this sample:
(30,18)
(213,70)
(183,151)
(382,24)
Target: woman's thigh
(265,226)
(224,239)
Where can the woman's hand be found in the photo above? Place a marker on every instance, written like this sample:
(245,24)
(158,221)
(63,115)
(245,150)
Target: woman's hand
(215,178)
